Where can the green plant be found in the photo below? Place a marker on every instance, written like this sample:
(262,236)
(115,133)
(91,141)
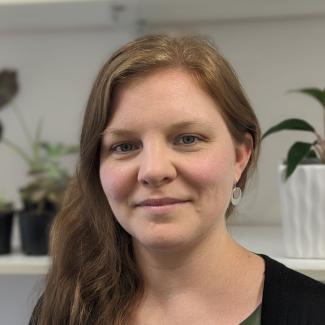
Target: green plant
(48,178)
(300,151)
(8,90)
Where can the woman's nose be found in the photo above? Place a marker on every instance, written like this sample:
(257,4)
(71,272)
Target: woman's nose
(156,166)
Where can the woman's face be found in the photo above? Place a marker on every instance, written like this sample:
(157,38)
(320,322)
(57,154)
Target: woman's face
(168,162)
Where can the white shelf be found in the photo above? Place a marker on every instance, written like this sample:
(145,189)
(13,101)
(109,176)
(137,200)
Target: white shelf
(268,240)
(20,264)
(265,240)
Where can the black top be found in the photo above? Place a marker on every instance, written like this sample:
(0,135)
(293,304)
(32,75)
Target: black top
(289,297)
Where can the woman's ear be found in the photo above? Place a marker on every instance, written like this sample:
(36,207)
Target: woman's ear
(243,154)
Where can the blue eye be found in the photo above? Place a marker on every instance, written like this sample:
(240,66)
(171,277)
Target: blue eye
(127,147)
(124,147)
(189,139)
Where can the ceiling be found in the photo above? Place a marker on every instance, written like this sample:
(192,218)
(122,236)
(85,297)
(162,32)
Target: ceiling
(24,14)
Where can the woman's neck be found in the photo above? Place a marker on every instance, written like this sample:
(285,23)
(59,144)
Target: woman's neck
(211,266)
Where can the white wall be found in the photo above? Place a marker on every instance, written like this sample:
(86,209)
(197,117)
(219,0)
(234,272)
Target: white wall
(18,295)
(56,70)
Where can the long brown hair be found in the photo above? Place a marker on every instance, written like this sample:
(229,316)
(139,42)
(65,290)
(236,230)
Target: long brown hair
(94,278)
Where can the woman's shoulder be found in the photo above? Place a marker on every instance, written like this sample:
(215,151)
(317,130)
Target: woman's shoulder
(289,278)
(291,295)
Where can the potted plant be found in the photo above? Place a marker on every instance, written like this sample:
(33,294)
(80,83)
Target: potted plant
(302,187)
(8,90)
(42,196)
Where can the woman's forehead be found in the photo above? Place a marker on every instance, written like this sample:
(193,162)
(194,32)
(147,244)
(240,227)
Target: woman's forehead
(169,91)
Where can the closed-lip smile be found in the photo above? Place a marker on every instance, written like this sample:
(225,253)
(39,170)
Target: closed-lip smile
(160,201)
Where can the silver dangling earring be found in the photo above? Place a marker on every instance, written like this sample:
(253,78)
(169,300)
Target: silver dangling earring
(236,195)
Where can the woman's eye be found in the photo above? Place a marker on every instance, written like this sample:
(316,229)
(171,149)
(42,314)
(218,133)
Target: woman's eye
(127,147)
(124,147)
(189,139)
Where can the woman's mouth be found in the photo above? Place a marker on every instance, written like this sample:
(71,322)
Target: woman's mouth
(161,205)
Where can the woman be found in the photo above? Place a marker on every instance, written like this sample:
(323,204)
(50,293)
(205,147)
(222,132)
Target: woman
(167,143)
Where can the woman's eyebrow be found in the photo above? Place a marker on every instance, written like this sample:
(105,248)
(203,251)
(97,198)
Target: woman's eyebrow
(173,126)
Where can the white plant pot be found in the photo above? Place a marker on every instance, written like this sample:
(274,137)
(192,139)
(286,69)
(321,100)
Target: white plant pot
(302,199)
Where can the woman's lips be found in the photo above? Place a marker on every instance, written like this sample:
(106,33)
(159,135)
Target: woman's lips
(161,206)
(161,201)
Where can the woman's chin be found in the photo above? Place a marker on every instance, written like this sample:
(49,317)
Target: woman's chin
(161,244)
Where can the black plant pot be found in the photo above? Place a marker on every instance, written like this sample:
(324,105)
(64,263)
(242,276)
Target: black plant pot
(34,231)
(5,231)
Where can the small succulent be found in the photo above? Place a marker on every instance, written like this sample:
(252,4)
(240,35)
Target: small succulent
(49,178)
(300,151)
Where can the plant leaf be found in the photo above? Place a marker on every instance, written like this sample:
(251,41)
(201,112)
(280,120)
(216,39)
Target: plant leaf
(8,86)
(38,133)
(297,152)
(290,124)
(37,140)
(316,93)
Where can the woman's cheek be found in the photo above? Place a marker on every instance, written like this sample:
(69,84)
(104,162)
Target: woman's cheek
(208,170)
(115,182)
